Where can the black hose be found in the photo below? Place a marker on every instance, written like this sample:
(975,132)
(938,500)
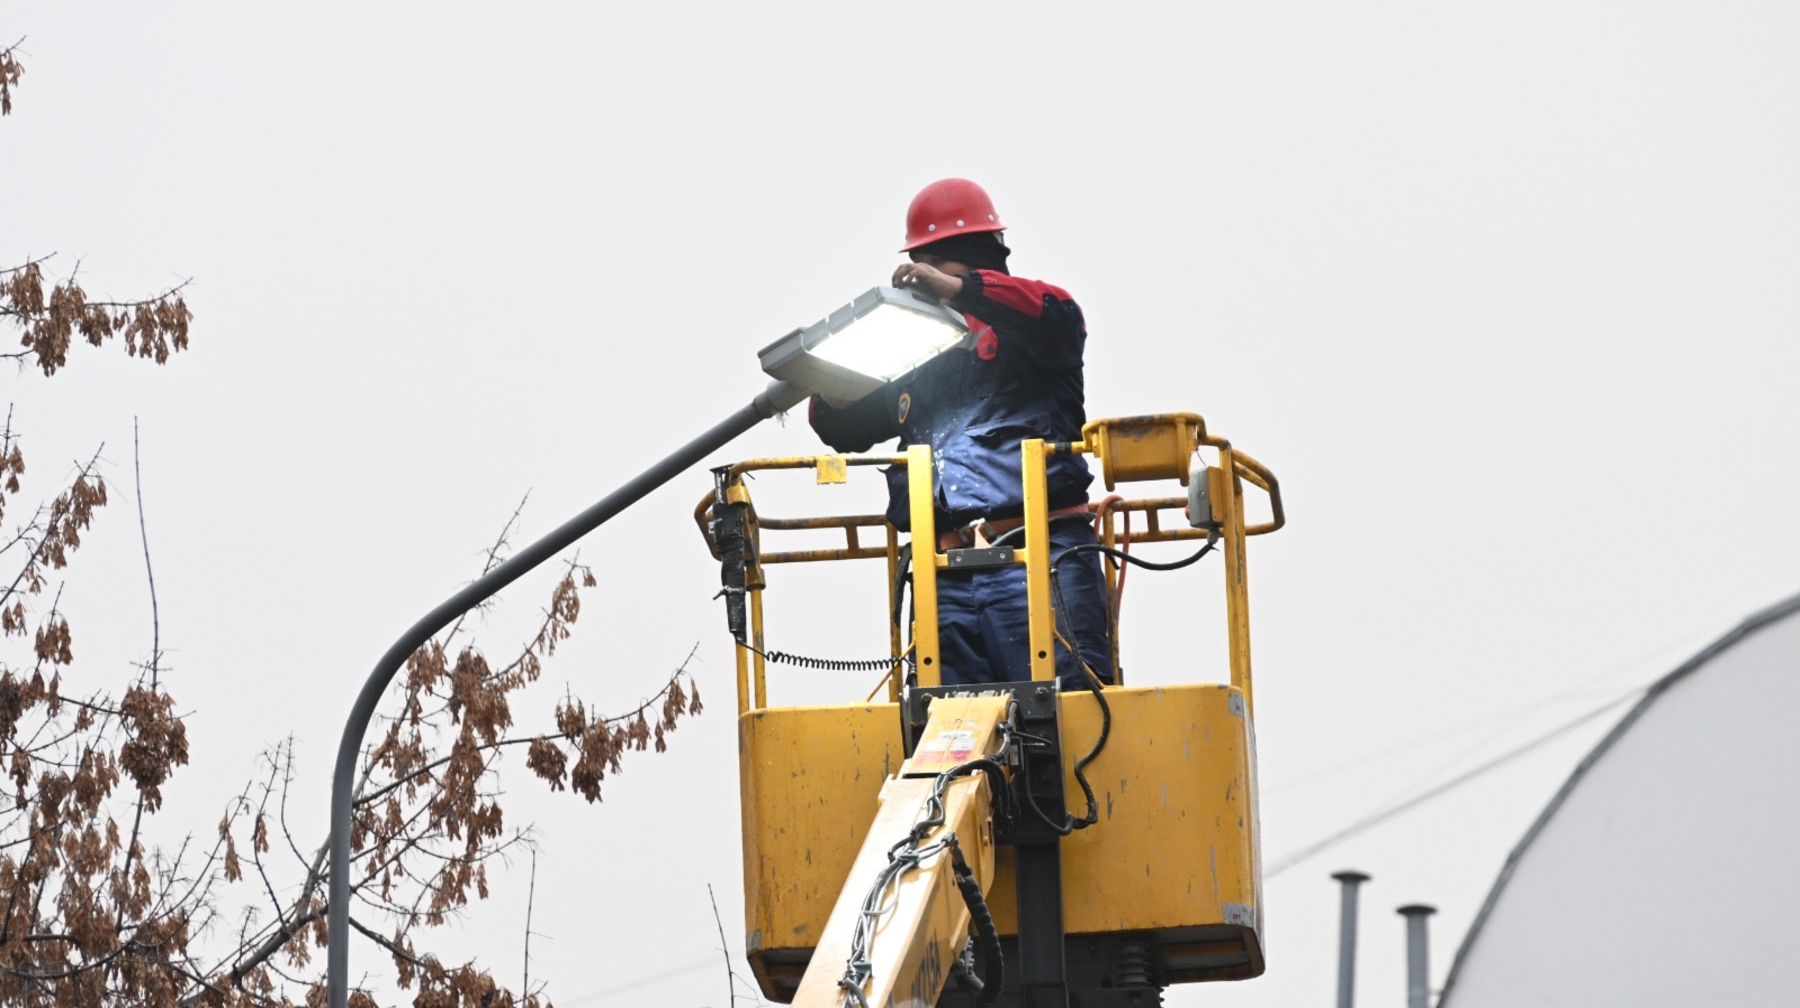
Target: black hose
(1087,789)
(902,576)
(1095,547)
(1093,686)
(987,935)
(1093,681)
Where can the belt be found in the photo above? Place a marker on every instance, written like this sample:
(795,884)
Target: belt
(980,533)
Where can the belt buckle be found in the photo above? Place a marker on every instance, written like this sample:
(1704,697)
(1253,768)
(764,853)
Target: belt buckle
(958,538)
(978,534)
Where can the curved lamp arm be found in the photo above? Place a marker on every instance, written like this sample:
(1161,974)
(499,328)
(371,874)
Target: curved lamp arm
(779,397)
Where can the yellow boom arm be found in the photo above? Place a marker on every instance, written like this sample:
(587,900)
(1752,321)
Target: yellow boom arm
(900,921)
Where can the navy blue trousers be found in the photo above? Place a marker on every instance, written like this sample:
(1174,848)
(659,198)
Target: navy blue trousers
(984,632)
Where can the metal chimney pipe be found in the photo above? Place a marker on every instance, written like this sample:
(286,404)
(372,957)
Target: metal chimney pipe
(1347,938)
(1418,966)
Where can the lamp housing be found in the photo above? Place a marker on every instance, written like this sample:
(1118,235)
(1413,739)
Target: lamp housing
(881,335)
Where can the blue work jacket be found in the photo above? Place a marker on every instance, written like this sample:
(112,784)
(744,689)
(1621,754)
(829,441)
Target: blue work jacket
(1019,377)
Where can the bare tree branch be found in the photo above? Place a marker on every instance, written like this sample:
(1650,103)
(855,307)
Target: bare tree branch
(428,824)
(530,904)
(724,949)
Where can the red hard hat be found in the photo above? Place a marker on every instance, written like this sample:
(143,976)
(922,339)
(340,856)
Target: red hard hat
(948,207)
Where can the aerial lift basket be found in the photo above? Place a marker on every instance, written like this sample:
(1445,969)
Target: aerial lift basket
(1166,887)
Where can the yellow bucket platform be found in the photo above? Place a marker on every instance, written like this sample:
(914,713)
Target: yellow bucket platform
(1172,858)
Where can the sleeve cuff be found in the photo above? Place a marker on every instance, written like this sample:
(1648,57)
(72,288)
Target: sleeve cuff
(973,292)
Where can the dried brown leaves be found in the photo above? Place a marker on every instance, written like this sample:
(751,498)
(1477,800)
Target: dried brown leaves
(428,817)
(90,915)
(87,918)
(10,72)
(49,323)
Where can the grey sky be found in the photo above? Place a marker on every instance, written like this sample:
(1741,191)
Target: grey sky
(1504,293)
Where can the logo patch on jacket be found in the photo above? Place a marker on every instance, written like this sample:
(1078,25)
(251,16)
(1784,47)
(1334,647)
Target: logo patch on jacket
(988,346)
(905,407)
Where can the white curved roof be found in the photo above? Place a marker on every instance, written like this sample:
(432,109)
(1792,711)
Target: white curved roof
(1665,871)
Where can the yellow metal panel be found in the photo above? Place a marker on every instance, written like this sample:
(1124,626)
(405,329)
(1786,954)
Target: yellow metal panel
(831,469)
(1174,853)
(809,780)
(1176,843)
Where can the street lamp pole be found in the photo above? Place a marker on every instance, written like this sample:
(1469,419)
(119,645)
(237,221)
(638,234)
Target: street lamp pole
(779,397)
(881,335)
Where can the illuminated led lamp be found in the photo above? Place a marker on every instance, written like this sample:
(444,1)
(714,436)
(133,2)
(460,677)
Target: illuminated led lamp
(862,346)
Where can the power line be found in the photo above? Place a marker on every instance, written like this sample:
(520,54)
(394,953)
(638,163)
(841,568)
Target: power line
(1512,716)
(1369,822)
(669,974)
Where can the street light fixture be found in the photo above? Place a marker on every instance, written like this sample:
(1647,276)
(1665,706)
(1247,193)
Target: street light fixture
(867,343)
(853,351)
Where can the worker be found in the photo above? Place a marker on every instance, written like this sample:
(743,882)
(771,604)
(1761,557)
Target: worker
(1018,376)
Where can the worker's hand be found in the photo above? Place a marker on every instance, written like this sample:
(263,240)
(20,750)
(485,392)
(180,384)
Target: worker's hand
(928,278)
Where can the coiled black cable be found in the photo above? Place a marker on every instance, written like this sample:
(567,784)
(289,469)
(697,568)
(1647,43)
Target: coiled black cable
(779,657)
(830,664)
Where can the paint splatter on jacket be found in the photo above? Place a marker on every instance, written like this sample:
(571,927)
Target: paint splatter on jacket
(1018,377)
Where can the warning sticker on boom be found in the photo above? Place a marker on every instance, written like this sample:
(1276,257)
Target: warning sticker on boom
(947,748)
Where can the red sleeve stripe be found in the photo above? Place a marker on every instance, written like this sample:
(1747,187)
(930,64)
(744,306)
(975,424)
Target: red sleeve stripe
(1023,296)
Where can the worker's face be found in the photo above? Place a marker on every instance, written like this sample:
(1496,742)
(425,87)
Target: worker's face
(943,265)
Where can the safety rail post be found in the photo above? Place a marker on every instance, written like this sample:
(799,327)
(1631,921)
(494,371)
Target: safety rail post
(1237,591)
(755,580)
(757,663)
(1108,536)
(1040,628)
(743,678)
(925,564)
(895,640)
